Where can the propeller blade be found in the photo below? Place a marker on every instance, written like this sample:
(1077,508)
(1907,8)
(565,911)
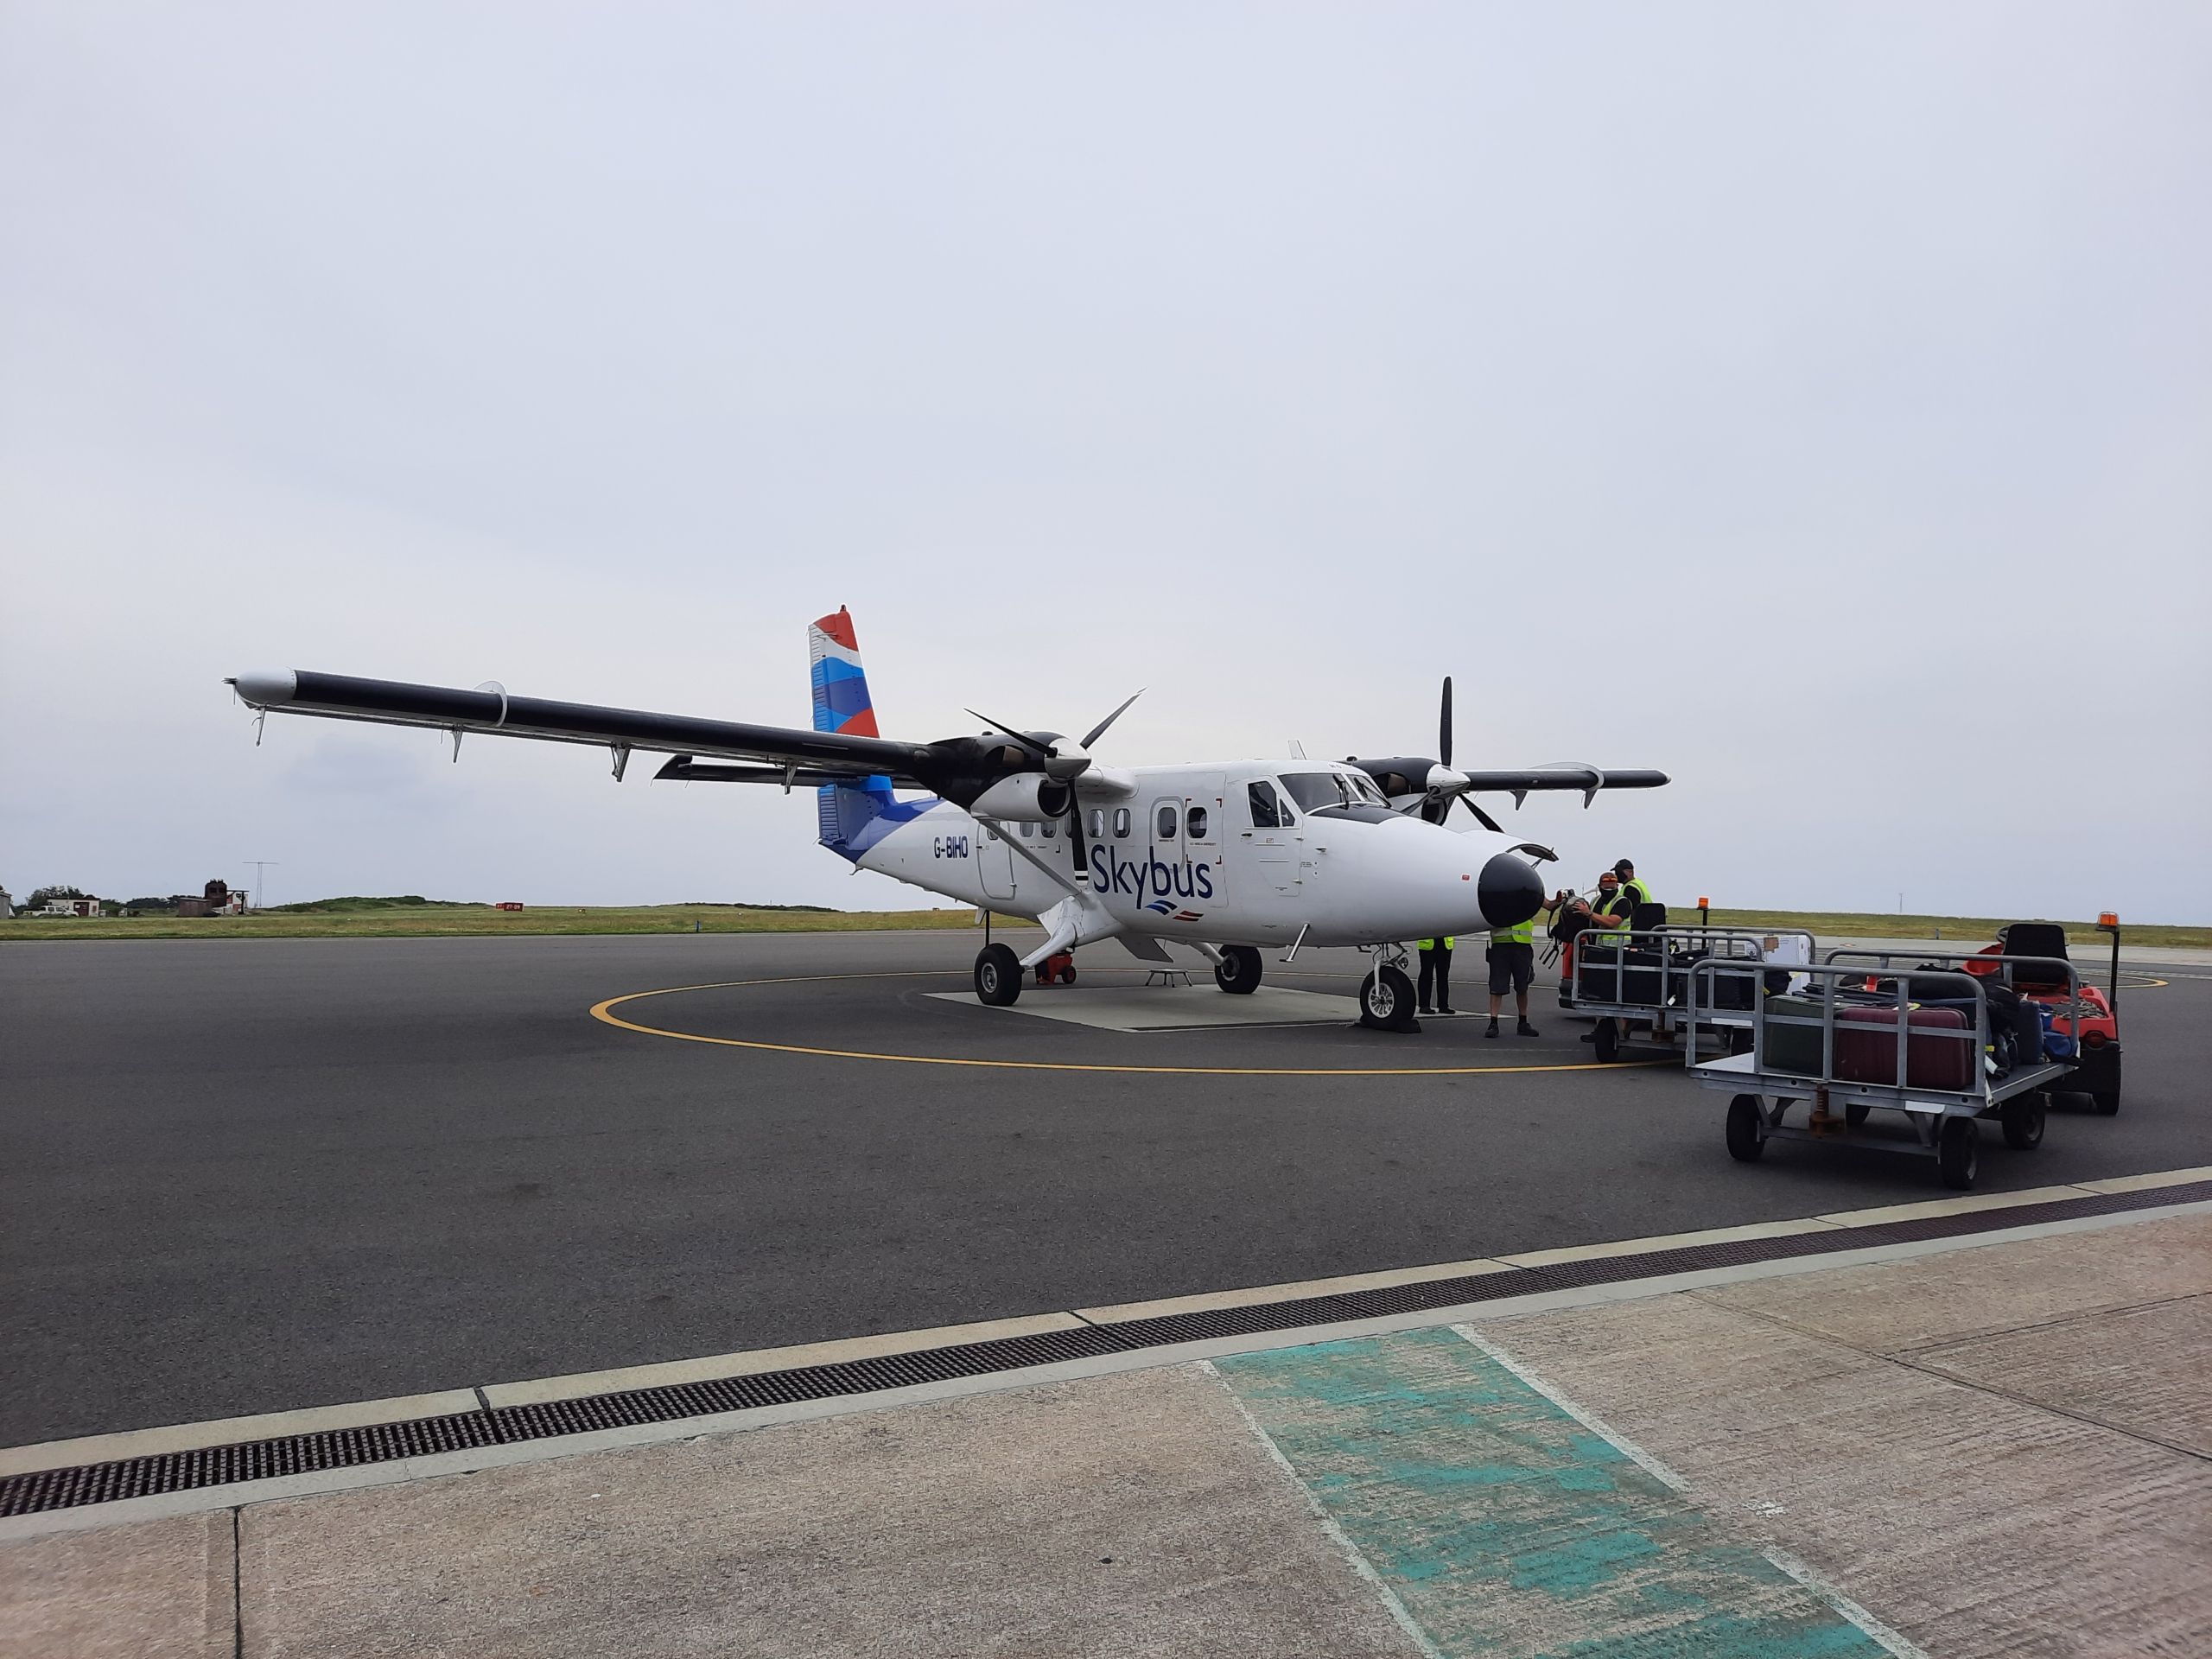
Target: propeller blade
(1027,742)
(1444,726)
(1484,819)
(1075,835)
(1099,730)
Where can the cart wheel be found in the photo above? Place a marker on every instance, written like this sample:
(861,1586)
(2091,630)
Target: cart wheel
(1955,1146)
(2107,1102)
(2022,1117)
(1067,976)
(1386,1001)
(1746,1130)
(1608,1037)
(1854,1113)
(998,976)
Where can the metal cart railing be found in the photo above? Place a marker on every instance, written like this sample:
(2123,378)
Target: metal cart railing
(1610,963)
(1781,1068)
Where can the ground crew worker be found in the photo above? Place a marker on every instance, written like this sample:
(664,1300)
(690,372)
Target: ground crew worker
(1436,970)
(1618,897)
(1512,957)
(1638,894)
(1612,908)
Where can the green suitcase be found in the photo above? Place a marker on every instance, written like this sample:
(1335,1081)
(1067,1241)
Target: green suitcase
(1792,1047)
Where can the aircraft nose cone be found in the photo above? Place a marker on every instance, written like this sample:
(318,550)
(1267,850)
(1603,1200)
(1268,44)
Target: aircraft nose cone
(1508,890)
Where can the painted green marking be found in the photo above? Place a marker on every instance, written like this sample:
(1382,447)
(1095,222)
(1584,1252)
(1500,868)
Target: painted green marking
(1507,1528)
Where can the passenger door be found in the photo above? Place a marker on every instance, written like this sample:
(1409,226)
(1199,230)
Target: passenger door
(1203,832)
(993,863)
(1273,836)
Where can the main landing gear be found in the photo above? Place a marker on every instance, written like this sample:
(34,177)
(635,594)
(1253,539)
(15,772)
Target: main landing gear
(1238,970)
(998,976)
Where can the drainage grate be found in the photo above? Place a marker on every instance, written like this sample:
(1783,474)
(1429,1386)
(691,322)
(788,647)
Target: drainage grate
(345,1448)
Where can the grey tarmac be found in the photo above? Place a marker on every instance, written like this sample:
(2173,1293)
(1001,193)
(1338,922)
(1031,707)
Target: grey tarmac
(254,1176)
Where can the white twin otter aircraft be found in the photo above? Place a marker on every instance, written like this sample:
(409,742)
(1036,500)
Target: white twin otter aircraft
(1225,857)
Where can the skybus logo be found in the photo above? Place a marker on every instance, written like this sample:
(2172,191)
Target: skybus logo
(1150,877)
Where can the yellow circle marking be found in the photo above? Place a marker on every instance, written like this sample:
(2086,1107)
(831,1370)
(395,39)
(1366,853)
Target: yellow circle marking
(605,1010)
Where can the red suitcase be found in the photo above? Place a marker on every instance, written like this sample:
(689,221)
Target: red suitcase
(1866,1048)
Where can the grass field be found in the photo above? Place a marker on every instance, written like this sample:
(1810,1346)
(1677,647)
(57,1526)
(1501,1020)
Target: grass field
(1974,931)
(375,919)
(356,919)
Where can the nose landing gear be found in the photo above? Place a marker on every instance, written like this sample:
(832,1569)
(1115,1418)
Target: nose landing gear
(1386,996)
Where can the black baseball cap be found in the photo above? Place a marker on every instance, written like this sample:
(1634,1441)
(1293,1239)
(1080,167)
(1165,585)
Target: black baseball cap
(1624,867)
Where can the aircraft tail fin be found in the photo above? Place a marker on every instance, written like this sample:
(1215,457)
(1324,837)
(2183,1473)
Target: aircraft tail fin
(842,703)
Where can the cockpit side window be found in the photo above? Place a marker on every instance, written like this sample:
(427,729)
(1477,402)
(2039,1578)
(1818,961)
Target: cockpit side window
(1266,810)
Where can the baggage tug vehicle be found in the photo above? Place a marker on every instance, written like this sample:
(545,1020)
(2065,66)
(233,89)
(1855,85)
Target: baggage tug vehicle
(1226,857)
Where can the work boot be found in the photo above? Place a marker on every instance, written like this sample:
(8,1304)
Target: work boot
(1490,1030)
(1590,1036)
(1524,1029)
(1425,1008)
(1440,1008)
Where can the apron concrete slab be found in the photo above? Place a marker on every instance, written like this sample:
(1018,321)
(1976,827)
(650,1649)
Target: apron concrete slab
(1961,1294)
(157,1590)
(2142,1369)
(1125,1515)
(1977,1524)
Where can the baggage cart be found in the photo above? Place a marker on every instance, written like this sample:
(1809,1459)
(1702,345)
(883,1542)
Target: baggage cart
(1627,977)
(1865,1038)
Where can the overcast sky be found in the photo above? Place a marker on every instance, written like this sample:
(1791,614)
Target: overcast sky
(1851,363)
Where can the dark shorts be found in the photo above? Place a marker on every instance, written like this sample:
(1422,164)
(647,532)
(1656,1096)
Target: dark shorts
(1512,968)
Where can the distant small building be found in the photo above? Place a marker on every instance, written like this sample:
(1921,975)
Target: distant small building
(7,904)
(86,907)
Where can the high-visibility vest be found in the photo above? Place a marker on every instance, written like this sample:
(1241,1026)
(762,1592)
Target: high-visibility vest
(1635,889)
(1519,933)
(1446,942)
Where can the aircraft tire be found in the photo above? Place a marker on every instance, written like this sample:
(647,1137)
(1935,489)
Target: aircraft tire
(998,976)
(1239,971)
(1386,1001)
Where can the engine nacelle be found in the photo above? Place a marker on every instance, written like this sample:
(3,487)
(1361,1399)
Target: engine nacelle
(1024,797)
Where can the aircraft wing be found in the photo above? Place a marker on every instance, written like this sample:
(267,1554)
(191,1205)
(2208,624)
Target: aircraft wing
(818,756)
(1564,777)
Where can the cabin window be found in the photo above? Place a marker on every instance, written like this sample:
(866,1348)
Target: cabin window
(1098,823)
(1120,823)
(1194,824)
(1028,832)
(1266,810)
(1163,823)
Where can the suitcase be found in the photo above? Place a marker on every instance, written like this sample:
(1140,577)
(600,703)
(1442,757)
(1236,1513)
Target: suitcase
(1866,1048)
(1793,1048)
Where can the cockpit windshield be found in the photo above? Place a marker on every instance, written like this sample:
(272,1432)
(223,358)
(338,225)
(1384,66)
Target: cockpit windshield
(1316,790)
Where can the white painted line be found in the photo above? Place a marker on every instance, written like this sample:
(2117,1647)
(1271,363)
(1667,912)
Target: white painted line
(1620,1442)
(713,1367)
(1669,1242)
(455,1463)
(1336,1534)
(1903,1647)
(229,1431)
(1964,1205)
(2147,1183)
(1257,1295)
